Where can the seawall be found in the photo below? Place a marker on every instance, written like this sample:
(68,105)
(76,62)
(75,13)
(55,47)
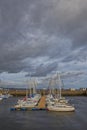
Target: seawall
(64,92)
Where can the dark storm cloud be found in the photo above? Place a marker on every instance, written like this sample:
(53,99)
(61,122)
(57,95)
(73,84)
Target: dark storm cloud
(72,74)
(78,55)
(44,70)
(45,28)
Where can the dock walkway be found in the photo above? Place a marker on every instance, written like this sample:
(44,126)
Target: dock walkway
(42,102)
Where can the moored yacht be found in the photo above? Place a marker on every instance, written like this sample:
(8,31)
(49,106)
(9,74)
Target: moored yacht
(60,104)
(29,101)
(61,107)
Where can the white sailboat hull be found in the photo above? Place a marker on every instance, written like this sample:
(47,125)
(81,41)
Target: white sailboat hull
(26,105)
(61,109)
(1,98)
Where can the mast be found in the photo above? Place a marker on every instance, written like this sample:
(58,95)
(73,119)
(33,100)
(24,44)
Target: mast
(26,91)
(50,90)
(34,86)
(30,86)
(59,83)
(30,89)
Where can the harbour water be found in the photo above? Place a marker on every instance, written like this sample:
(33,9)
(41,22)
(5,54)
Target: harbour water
(43,120)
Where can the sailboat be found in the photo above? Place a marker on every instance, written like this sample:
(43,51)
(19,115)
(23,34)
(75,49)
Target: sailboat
(30,100)
(60,104)
(50,97)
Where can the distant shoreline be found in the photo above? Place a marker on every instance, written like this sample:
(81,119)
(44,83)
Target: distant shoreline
(65,92)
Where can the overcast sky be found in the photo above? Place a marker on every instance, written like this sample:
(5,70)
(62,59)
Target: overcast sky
(41,37)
